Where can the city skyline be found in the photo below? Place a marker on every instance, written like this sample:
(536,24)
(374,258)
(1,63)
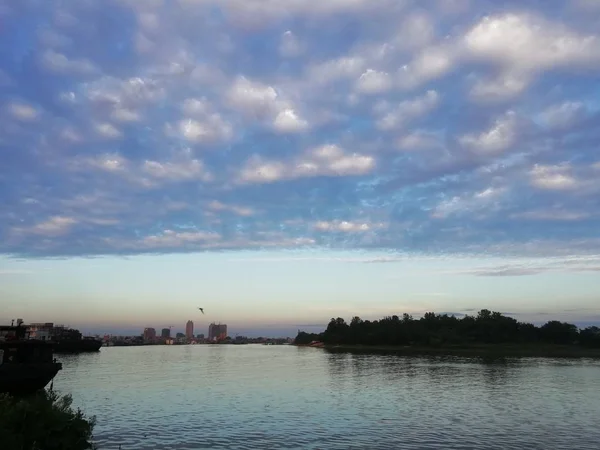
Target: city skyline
(282,165)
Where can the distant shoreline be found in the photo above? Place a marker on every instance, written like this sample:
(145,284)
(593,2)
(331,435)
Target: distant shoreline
(544,351)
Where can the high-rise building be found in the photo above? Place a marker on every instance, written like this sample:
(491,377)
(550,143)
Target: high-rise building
(217,332)
(149,334)
(189,329)
(166,333)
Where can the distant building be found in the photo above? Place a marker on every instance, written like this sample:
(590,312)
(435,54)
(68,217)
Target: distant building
(149,334)
(189,329)
(165,333)
(200,336)
(180,335)
(217,332)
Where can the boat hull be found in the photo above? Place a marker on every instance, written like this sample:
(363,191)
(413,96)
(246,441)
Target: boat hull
(22,379)
(77,345)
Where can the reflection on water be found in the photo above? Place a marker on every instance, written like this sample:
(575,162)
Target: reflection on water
(270,397)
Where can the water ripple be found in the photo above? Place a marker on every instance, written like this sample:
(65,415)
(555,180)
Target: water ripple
(272,397)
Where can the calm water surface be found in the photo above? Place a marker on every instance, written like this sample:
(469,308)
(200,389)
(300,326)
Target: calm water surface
(271,397)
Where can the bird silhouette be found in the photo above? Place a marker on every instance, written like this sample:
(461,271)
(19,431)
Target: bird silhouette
(201,310)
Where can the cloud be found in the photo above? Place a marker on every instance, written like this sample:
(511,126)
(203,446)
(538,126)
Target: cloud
(501,136)
(327,160)
(170,239)
(407,110)
(287,121)
(564,115)
(22,111)
(443,128)
(529,41)
(553,178)
(502,87)
(373,82)
(54,226)
(505,272)
(108,131)
(235,209)
(290,46)
(59,63)
(346,227)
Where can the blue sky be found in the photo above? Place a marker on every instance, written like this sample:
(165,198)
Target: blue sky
(280,163)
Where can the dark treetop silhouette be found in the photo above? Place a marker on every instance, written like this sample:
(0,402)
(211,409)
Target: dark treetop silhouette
(433,330)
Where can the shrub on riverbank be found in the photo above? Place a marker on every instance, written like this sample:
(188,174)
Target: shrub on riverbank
(43,421)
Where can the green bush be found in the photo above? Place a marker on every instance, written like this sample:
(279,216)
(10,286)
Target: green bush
(43,421)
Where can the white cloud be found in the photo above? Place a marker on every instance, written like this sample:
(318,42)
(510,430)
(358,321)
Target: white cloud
(418,140)
(473,203)
(149,173)
(416,31)
(22,111)
(213,128)
(54,226)
(429,64)
(194,107)
(564,115)
(125,115)
(505,86)
(409,110)
(501,136)
(373,82)
(556,214)
(258,13)
(57,62)
(346,226)
(529,43)
(336,69)
(326,160)
(201,124)
(287,121)
(235,209)
(129,93)
(170,238)
(109,162)
(177,171)
(553,178)
(253,99)
(108,131)
(290,46)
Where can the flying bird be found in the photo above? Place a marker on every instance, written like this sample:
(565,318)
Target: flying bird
(201,310)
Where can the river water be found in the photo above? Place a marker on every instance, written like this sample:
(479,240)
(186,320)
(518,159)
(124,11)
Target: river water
(272,397)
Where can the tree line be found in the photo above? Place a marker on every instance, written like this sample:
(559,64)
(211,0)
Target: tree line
(436,330)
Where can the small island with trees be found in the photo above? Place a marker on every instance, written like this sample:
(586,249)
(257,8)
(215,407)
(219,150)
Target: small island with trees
(486,333)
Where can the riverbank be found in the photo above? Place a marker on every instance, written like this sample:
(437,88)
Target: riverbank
(539,351)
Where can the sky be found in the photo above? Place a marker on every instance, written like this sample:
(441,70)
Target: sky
(280,163)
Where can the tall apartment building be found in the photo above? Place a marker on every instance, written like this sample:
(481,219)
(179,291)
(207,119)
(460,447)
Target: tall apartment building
(189,329)
(149,334)
(165,333)
(217,332)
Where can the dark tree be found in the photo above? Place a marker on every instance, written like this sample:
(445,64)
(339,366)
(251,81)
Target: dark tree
(43,421)
(434,330)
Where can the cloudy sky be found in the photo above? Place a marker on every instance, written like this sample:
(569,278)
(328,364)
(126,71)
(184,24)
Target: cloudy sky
(283,162)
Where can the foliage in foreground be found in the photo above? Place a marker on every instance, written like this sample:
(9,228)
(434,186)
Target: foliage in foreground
(433,330)
(43,421)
